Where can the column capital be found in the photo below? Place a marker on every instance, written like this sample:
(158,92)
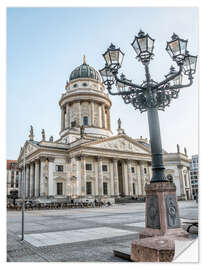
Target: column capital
(129,162)
(82,157)
(32,164)
(43,158)
(98,158)
(51,159)
(141,162)
(180,166)
(36,161)
(68,159)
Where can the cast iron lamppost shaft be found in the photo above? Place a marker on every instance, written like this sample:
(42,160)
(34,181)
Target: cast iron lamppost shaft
(155,138)
(150,96)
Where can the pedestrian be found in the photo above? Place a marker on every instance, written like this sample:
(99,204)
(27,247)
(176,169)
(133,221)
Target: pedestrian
(197,198)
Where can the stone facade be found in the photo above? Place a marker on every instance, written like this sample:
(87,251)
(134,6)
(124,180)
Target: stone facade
(87,161)
(12,177)
(194,174)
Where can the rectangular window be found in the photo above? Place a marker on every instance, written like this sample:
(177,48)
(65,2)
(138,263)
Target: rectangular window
(88,167)
(59,168)
(132,169)
(133,188)
(73,124)
(105,188)
(104,168)
(17,182)
(85,120)
(59,188)
(89,188)
(145,170)
(12,178)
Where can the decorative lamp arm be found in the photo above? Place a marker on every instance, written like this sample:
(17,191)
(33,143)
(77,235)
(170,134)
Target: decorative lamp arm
(120,93)
(170,78)
(179,86)
(126,82)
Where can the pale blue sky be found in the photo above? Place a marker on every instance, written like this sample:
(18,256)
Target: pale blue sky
(45,44)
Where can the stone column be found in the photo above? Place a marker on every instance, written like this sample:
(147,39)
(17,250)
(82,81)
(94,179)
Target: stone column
(36,188)
(150,171)
(27,181)
(115,171)
(126,191)
(62,119)
(108,117)
(20,183)
(142,177)
(112,178)
(89,114)
(67,116)
(103,116)
(139,180)
(83,176)
(50,177)
(181,180)
(92,113)
(31,179)
(42,177)
(100,177)
(96,178)
(100,115)
(65,121)
(80,120)
(130,185)
(78,180)
(189,181)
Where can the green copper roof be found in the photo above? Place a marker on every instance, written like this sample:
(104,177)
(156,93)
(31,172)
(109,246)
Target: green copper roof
(84,71)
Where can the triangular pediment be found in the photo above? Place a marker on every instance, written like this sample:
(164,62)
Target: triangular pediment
(29,147)
(119,143)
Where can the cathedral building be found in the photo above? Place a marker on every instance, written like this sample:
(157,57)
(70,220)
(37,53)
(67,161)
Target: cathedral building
(88,161)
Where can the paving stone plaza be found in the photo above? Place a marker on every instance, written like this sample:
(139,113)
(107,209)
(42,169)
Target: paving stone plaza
(83,235)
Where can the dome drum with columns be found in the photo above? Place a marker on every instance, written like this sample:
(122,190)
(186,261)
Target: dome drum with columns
(85,103)
(88,161)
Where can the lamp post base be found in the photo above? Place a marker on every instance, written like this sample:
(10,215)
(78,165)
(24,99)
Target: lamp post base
(162,216)
(162,225)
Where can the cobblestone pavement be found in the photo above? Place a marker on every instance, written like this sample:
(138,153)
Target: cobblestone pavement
(79,235)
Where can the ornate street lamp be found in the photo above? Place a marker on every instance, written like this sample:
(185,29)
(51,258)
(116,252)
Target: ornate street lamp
(152,96)
(177,48)
(113,57)
(143,45)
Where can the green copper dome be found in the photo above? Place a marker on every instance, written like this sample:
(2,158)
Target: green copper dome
(84,71)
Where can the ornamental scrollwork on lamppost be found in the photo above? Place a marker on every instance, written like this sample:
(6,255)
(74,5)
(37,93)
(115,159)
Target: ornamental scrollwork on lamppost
(150,94)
